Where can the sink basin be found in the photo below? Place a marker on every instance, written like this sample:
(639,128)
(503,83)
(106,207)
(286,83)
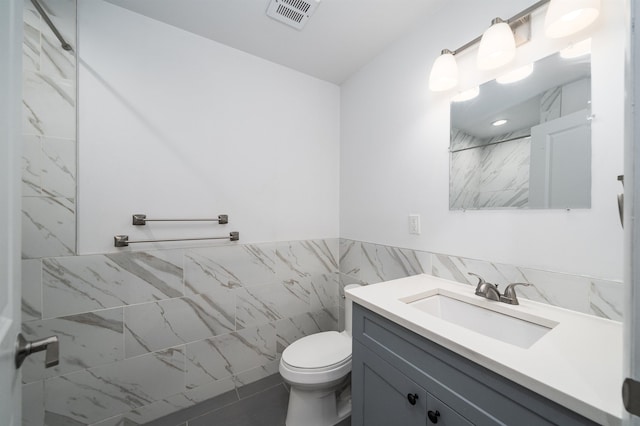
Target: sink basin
(497,325)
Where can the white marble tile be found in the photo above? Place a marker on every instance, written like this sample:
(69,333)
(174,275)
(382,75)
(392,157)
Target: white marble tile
(262,304)
(255,374)
(566,291)
(158,325)
(350,257)
(227,355)
(58,173)
(291,329)
(301,261)
(31,290)
(54,60)
(507,198)
(86,283)
(48,227)
(506,166)
(462,140)
(92,395)
(314,265)
(457,268)
(384,263)
(86,340)
(324,291)
(154,411)
(464,178)
(551,104)
(31,166)
(491,177)
(49,106)
(606,299)
(33,404)
(31,38)
(201,393)
(229,267)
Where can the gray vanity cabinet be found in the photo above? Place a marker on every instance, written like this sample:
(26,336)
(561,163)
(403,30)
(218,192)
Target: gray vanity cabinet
(400,378)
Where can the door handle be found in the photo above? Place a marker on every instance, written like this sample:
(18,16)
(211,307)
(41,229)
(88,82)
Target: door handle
(24,348)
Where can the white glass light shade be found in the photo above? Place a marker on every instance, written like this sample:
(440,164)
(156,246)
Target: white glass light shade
(467,95)
(566,17)
(444,73)
(497,47)
(516,75)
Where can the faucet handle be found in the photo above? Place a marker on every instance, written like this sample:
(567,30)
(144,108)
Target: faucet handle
(510,296)
(481,280)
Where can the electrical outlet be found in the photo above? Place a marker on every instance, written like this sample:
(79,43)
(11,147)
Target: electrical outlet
(414,224)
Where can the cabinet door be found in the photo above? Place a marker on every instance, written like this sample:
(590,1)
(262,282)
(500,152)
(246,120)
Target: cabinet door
(441,414)
(386,396)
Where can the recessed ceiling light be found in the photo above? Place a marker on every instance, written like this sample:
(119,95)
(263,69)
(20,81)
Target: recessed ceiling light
(467,95)
(499,122)
(516,75)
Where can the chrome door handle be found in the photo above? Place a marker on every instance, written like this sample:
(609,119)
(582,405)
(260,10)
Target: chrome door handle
(24,348)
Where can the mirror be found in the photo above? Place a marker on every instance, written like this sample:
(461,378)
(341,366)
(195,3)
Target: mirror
(541,156)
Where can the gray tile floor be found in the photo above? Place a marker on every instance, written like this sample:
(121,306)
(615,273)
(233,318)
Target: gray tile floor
(263,403)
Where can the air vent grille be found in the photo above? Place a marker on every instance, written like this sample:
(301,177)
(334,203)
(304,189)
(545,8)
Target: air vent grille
(289,13)
(301,5)
(294,13)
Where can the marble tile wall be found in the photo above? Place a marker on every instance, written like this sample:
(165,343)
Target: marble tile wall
(493,176)
(143,334)
(49,132)
(368,263)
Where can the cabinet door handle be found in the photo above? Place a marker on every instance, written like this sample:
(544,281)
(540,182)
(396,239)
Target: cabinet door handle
(433,416)
(413,398)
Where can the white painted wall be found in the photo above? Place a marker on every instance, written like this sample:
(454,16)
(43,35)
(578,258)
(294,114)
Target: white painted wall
(394,158)
(175,125)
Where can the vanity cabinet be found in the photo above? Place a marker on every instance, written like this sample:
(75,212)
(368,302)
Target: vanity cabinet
(401,378)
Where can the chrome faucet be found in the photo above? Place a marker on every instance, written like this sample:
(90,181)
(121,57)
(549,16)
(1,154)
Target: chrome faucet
(485,289)
(490,291)
(510,294)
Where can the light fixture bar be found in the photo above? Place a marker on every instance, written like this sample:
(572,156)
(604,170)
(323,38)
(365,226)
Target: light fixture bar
(515,21)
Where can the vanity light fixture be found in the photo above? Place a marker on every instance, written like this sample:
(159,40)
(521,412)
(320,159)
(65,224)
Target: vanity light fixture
(500,122)
(444,73)
(516,75)
(467,95)
(497,46)
(578,49)
(563,18)
(566,17)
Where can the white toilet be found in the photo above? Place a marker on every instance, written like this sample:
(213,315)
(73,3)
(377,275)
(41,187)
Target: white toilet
(317,367)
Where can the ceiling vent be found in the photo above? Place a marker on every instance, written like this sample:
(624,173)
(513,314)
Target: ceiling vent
(294,13)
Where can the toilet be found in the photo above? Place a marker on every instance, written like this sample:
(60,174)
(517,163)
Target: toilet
(317,368)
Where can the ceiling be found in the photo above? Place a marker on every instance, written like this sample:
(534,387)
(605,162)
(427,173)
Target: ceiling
(339,38)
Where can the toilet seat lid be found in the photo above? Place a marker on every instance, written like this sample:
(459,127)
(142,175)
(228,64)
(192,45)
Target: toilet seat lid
(318,350)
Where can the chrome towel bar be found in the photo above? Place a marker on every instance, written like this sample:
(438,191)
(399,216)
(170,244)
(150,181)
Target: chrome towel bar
(123,240)
(141,219)
(66,46)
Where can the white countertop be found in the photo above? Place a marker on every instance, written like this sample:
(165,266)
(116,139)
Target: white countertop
(577,364)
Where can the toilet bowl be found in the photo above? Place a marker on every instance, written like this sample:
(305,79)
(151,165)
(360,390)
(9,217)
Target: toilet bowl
(318,367)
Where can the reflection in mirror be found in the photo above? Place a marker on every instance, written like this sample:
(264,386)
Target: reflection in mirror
(526,144)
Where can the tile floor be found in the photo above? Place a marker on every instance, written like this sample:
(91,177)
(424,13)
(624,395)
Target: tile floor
(263,403)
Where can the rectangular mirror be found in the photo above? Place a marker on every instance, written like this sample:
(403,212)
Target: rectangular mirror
(540,156)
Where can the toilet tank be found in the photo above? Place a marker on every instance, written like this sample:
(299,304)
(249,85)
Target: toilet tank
(348,309)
